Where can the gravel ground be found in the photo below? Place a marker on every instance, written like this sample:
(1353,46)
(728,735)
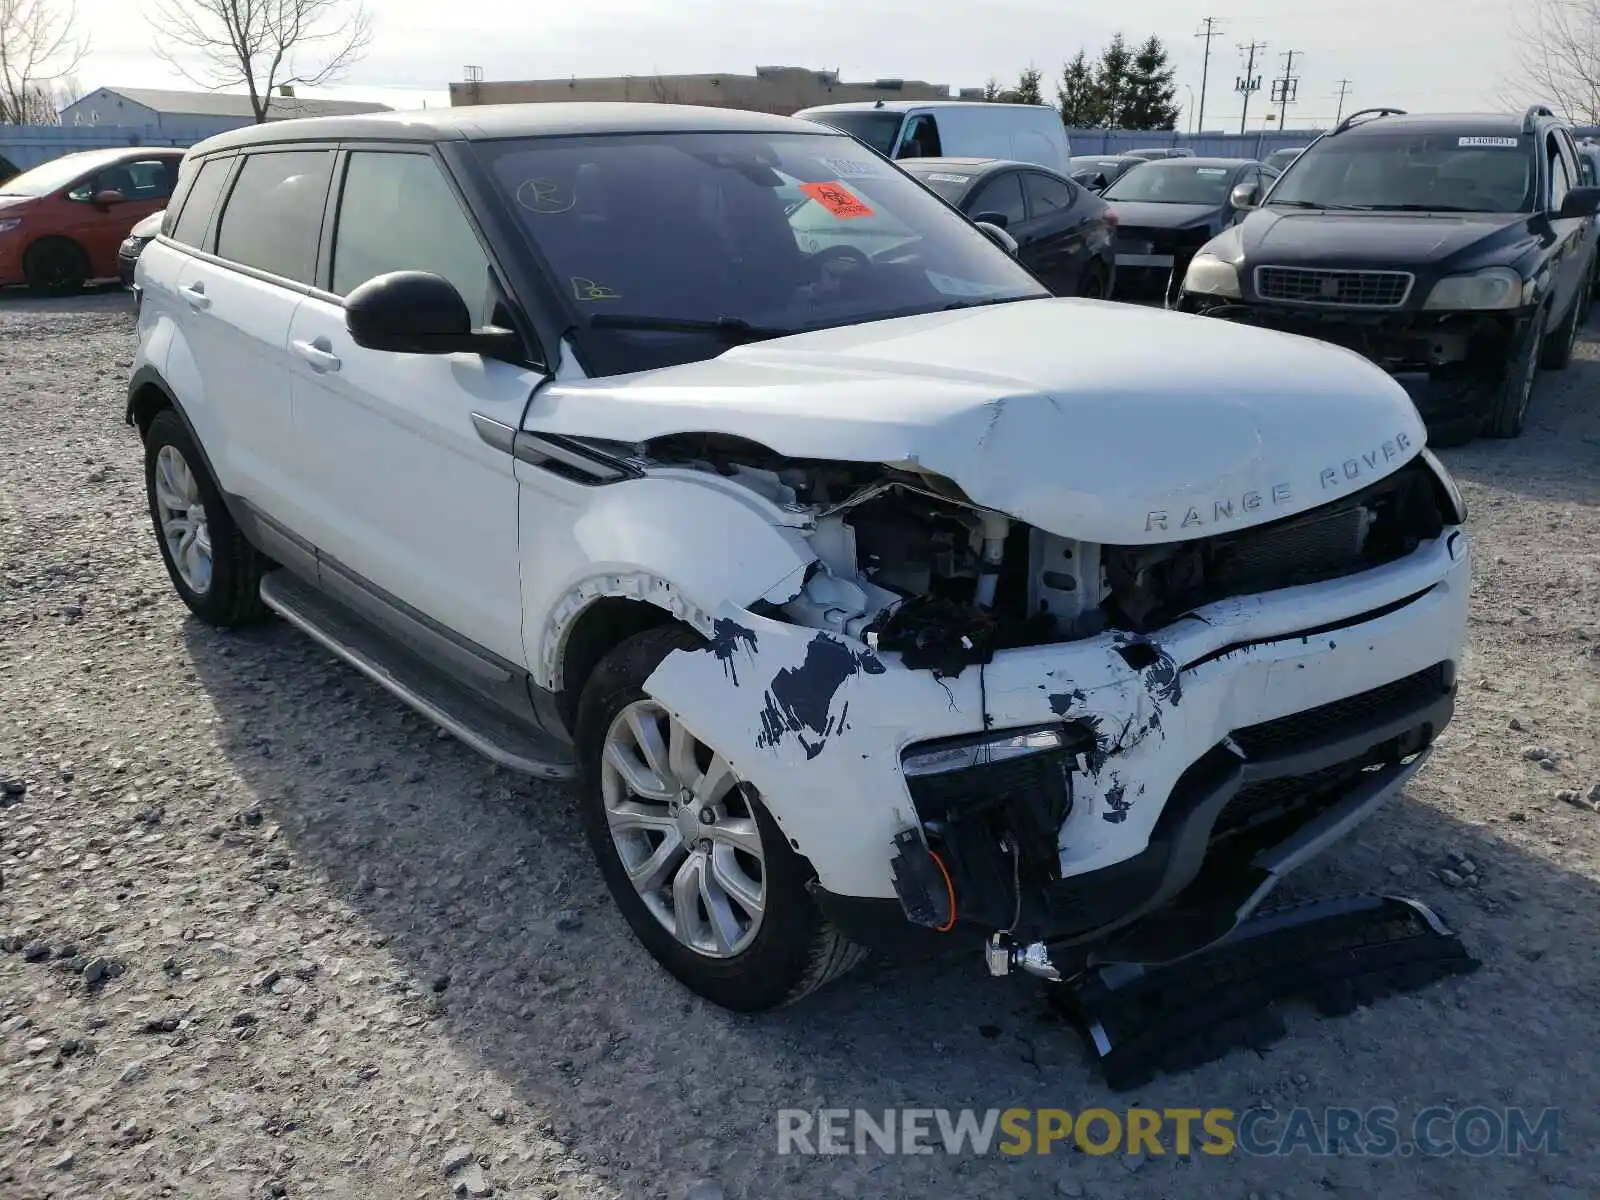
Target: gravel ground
(267,934)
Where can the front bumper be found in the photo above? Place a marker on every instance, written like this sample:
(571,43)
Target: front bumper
(1451,364)
(819,724)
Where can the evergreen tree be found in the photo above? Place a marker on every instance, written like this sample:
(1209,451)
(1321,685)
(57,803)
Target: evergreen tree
(1150,90)
(1076,94)
(1027,89)
(991,90)
(1111,82)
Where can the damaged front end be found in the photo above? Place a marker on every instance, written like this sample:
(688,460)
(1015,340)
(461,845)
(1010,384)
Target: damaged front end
(971,725)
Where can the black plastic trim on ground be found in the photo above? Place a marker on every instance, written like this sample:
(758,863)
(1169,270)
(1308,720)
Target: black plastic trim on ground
(1336,953)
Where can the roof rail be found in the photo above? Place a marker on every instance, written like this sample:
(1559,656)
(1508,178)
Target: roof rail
(1537,110)
(1367,112)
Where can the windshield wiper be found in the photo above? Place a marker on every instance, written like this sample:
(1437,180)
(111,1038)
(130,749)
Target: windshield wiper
(733,329)
(1422,208)
(1323,207)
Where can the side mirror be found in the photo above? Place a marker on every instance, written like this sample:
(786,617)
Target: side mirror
(1245,195)
(416,312)
(107,197)
(1580,202)
(998,236)
(998,220)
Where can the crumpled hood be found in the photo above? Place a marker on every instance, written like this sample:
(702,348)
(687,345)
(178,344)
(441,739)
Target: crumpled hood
(1398,240)
(1092,420)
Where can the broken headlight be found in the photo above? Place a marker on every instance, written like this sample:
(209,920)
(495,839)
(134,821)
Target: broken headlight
(1209,275)
(959,756)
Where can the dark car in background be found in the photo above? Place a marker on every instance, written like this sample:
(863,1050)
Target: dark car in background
(1279,160)
(1455,251)
(1156,153)
(1167,209)
(140,236)
(1099,171)
(1064,232)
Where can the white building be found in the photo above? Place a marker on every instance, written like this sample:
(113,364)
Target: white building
(193,114)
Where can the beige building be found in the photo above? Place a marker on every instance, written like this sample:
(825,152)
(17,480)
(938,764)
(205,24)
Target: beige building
(781,90)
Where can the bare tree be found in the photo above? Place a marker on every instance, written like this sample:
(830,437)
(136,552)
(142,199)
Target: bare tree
(1558,60)
(38,47)
(262,45)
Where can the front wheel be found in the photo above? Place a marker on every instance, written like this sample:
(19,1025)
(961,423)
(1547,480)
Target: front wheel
(1509,405)
(55,267)
(697,865)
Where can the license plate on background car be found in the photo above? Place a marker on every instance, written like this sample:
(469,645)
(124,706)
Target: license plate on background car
(1145,260)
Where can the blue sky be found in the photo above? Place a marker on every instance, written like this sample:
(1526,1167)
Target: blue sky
(1423,54)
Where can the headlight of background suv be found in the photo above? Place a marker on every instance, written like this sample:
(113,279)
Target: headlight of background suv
(10,223)
(1498,287)
(1209,275)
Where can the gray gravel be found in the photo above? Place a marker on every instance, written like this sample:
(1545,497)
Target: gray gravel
(264,934)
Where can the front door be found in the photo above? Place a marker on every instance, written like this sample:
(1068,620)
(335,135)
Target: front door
(143,186)
(403,492)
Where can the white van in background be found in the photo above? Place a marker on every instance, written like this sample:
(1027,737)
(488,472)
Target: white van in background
(1030,133)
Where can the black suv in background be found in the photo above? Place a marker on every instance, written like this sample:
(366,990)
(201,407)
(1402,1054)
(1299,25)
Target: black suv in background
(1455,251)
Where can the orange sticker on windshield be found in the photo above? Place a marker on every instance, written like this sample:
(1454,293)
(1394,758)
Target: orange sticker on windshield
(837,199)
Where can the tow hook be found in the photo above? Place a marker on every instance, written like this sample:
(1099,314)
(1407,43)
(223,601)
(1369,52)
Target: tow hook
(1002,955)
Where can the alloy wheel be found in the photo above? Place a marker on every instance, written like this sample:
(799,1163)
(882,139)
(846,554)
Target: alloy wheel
(181,513)
(685,830)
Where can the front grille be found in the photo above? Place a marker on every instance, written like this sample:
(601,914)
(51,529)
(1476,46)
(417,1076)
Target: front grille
(1151,586)
(1338,289)
(1260,803)
(1288,733)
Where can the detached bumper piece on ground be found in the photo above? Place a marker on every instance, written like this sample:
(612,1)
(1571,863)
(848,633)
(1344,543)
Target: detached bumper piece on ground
(1335,953)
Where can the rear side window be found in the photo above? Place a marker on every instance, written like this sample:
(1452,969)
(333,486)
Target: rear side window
(1003,196)
(1048,196)
(397,213)
(194,218)
(274,213)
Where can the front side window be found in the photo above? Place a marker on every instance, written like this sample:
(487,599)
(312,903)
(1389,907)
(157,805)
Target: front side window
(144,179)
(921,139)
(1422,172)
(1173,181)
(195,217)
(779,233)
(52,176)
(274,213)
(1003,196)
(397,212)
(1560,178)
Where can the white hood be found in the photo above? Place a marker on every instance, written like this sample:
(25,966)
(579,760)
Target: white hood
(1097,421)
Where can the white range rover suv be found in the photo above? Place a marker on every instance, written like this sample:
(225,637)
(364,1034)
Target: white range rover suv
(866,591)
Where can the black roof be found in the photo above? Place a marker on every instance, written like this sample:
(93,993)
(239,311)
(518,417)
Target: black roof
(488,121)
(1465,124)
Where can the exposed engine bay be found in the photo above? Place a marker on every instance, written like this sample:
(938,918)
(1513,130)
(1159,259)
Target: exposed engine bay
(910,565)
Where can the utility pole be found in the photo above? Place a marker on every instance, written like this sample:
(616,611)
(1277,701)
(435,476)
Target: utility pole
(1248,82)
(1210,31)
(1344,86)
(1285,89)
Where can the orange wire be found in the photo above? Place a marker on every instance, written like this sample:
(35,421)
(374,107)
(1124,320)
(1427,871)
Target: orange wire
(950,888)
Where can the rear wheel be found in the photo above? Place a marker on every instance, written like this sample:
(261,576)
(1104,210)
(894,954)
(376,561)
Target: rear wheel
(697,865)
(55,267)
(1509,406)
(1093,284)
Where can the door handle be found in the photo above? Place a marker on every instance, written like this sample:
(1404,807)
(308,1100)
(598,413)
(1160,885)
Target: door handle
(195,294)
(319,354)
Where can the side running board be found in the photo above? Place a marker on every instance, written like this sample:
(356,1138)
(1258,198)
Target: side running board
(476,722)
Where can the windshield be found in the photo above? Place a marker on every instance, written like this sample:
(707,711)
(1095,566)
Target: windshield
(877,129)
(1432,172)
(1173,181)
(738,231)
(53,175)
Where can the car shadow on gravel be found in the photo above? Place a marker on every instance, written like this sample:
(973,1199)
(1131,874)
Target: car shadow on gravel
(479,886)
(95,298)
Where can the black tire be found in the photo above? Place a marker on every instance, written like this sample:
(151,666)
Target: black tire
(794,950)
(1509,406)
(1556,352)
(233,595)
(55,267)
(1093,284)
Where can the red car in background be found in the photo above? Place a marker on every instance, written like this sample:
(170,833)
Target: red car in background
(62,223)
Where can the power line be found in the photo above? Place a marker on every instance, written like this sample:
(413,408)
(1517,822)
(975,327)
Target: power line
(1210,31)
(1286,87)
(1344,87)
(1248,82)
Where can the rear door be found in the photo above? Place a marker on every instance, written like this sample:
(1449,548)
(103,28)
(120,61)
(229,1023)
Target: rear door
(1056,231)
(404,492)
(235,301)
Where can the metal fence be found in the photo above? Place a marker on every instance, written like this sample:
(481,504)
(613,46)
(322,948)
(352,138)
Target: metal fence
(1221,145)
(27,146)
